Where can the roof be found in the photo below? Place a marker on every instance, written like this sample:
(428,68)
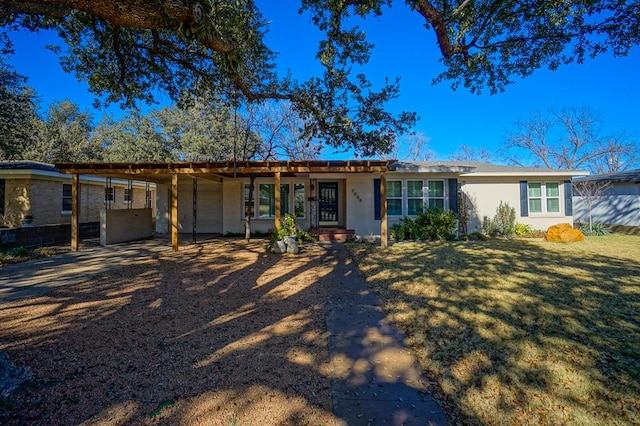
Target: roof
(477,168)
(27,165)
(628,176)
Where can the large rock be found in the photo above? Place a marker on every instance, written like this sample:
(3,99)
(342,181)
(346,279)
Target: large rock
(563,233)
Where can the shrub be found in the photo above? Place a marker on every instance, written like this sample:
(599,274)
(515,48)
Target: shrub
(503,223)
(523,229)
(474,236)
(17,252)
(434,224)
(595,230)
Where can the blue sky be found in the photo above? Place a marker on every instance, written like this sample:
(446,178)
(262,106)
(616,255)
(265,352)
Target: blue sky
(404,48)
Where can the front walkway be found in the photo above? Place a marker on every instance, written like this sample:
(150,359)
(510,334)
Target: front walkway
(375,378)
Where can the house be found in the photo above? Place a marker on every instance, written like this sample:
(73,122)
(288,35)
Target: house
(39,193)
(612,199)
(364,196)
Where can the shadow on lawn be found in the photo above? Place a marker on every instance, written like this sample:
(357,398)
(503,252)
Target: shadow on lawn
(517,332)
(199,336)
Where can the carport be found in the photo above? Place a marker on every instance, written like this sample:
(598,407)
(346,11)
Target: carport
(168,174)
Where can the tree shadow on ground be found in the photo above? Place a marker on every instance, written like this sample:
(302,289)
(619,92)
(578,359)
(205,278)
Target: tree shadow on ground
(216,333)
(518,332)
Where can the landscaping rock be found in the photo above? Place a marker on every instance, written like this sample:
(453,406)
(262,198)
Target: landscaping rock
(563,233)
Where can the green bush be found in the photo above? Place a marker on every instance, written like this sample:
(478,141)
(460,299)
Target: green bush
(433,224)
(523,229)
(17,252)
(595,230)
(503,223)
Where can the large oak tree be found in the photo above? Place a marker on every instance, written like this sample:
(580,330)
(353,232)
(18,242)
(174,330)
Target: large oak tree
(126,49)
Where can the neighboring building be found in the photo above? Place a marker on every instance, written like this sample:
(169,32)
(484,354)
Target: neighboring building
(614,200)
(39,190)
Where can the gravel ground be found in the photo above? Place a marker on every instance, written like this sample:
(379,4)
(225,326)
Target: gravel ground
(218,333)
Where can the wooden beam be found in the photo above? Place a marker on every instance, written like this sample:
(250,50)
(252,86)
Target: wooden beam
(277,199)
(384,242)
(174,212)
(75,212)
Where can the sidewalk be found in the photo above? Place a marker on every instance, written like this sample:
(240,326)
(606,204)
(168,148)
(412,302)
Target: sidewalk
(376,380)
(36,277)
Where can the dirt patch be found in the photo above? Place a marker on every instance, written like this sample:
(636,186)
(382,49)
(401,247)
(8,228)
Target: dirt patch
(220,333)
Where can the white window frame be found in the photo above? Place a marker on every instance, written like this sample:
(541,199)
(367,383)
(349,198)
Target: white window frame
(544,198)
(428,197)
(292,202)
(401,197)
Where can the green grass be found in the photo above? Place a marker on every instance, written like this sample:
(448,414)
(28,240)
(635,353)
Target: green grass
(520,331)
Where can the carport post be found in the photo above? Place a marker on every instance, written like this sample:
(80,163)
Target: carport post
(277,200)
(383,210)
(75,212)
(174,211)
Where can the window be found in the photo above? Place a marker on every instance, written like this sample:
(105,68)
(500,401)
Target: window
(553,197)
(109,194)
(128,195)
(543,197)
(394,198)
(415,197)
(298,199)
(436,194)
(292,200)
(67,198)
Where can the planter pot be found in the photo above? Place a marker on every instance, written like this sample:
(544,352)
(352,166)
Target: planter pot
(293,247)
(280,247)
(289,240)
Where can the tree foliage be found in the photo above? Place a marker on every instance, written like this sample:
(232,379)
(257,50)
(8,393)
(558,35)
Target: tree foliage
(63,134)
(570,139)
(17,113)
(127,49)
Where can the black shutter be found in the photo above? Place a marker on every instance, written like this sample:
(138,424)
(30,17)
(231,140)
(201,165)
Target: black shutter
(376,199)
(568,198)
(524,199)
(453,195)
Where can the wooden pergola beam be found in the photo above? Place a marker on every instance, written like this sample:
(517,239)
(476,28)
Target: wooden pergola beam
(384,240)
(174,212)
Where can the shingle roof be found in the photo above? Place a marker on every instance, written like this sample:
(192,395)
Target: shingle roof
(471,167)
(628,176)
(27,165)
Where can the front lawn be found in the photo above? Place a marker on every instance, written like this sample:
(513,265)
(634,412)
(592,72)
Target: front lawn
(519,331)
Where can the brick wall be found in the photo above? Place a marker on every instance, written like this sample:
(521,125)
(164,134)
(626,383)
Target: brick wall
(17,200)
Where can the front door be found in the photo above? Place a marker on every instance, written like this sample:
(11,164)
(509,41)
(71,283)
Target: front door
(328,203)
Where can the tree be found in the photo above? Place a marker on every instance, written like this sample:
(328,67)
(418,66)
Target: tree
(471,153)
(63,134)
(412,147)
(281,131)
(17,113)
(126,49)
(590,191)
(569,139)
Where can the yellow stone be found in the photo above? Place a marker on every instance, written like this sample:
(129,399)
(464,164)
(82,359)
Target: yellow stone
(563,233)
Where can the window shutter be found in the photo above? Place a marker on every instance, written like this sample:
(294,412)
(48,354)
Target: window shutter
(568,198)
(524,200)
(376,199)
(453,195)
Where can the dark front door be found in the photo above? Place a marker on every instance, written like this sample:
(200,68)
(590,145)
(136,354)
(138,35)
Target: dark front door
(328,202)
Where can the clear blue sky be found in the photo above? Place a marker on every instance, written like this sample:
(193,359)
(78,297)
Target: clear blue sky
(404,48)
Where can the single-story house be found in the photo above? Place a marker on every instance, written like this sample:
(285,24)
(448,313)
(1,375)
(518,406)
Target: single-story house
(39,193)
(365,196)
(612,199)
